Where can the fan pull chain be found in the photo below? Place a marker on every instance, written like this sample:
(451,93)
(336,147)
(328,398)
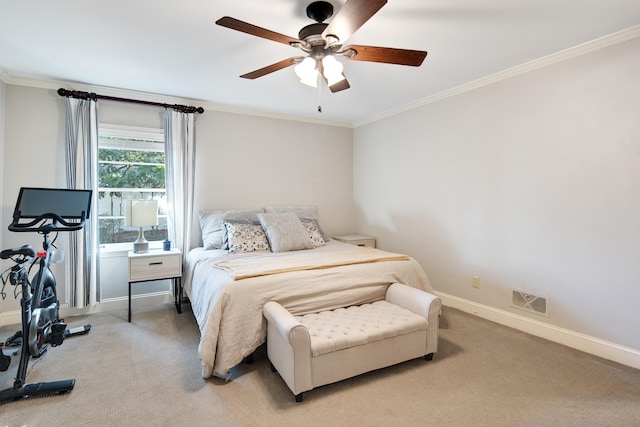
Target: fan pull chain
(319,93)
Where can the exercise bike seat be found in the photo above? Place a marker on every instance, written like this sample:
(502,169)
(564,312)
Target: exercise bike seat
(25,250)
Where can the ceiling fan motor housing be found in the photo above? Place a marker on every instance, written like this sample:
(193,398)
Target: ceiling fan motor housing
(312,33)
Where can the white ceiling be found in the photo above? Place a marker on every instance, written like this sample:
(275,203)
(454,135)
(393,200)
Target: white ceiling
(174,48)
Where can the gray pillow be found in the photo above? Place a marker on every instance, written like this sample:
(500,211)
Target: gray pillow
(303,212)
(212,227)
(285,232)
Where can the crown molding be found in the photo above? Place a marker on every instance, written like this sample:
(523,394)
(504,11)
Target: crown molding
(103,90)
(563,55)
(153,97)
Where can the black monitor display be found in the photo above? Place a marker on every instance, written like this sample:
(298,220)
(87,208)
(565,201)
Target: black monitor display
(68,204)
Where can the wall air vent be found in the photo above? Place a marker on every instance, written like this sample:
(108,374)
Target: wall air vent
(530,302)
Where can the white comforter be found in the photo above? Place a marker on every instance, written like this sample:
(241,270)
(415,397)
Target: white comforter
(229,312)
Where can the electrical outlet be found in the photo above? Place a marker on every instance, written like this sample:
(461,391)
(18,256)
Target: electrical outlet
(475,282)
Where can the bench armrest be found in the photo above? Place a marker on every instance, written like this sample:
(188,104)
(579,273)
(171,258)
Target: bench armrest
(292,347)
(420,302)
(280,317)
(415,300)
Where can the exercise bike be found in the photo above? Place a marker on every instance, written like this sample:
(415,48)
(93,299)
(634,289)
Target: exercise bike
(39,303)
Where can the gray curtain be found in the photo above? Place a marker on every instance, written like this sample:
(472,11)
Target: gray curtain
(81,140)
(180,149)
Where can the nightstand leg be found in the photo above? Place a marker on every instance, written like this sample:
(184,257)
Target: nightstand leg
(177,293)
(129,301)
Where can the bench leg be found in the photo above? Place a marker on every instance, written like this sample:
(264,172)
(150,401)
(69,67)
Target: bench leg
(428,357)
(299,396)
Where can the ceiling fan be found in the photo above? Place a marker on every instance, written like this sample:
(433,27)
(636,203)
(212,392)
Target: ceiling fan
(323,42)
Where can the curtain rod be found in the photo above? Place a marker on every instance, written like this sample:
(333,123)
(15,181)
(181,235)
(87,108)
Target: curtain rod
(90,95)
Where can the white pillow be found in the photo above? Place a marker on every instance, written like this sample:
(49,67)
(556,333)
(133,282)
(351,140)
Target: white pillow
(285,232)
(212,225)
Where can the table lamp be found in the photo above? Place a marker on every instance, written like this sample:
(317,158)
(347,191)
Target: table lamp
(141,213)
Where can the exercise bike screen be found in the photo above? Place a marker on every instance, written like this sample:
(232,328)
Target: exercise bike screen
(68,204)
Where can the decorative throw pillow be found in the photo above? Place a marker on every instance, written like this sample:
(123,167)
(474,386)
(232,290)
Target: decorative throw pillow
(212,225)
(316,224)
(243,237)
(285,232)
(315,233)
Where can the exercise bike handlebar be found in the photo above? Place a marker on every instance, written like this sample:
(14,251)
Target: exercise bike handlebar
(40,224)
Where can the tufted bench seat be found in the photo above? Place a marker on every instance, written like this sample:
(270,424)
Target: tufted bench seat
(321,348)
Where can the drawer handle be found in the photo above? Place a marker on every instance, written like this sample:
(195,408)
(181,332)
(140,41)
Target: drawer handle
(156,263)
(360,244)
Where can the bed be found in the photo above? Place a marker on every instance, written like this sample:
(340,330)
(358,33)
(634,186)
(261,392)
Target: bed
(228,288)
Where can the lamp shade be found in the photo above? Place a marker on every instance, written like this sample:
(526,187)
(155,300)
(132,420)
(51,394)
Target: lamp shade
(141,213)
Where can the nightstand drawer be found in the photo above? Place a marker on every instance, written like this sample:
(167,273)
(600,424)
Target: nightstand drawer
(154,267)
(357,240)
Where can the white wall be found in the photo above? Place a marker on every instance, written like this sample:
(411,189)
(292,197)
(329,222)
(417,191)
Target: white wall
(530,183)
(250,162)
(242,161)
(33,157)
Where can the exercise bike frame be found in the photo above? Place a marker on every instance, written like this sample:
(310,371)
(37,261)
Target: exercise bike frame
(40,324)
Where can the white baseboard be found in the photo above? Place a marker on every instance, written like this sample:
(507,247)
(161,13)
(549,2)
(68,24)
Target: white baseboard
(601,348)
(111,304)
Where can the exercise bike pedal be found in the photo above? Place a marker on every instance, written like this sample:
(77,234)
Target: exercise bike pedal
(58,330)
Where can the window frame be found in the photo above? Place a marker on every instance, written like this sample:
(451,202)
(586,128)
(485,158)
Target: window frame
(138,132)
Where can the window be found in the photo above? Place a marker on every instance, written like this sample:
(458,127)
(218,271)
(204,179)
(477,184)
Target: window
(131,166)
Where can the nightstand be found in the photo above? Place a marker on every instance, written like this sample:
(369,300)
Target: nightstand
(357,240)
(157,265)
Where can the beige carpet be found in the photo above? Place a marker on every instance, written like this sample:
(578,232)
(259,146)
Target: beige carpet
(147,373)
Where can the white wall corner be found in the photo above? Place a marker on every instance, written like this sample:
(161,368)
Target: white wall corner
(597,347)
(4,76)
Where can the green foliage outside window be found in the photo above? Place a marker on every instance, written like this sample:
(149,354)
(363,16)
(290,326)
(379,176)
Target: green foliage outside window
(131,169)
(126,174)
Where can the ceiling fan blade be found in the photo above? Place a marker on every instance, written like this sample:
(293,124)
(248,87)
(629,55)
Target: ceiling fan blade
(245,27)
(341,85)
(271,68)
(350,17)
(386,55)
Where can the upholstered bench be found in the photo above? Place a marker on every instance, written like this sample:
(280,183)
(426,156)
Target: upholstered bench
(321,348)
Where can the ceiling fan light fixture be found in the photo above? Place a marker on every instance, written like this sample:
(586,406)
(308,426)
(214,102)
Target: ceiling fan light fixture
(307,72)
(332,70)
